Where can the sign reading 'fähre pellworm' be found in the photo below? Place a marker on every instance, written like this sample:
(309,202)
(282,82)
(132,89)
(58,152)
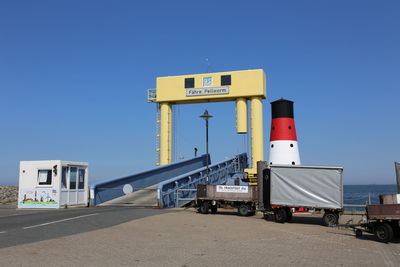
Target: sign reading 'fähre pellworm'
(207,91)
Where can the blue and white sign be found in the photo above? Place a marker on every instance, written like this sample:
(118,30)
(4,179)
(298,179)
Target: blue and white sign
(233,188)
(223,90)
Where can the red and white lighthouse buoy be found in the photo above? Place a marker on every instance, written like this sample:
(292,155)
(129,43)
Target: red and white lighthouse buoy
(283,149)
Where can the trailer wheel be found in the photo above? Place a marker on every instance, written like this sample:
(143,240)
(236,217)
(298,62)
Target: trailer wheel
(199,204)
(280,215)
(289,215)
(384,232)
(214,209)
(244,210)
(330,219)
(358,233)
(204,207)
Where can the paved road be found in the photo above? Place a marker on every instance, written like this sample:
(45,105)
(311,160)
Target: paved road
(26,226)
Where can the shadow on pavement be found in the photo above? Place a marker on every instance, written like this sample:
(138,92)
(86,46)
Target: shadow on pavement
(366,236)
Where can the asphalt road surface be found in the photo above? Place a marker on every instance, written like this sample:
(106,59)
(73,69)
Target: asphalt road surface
(27,226)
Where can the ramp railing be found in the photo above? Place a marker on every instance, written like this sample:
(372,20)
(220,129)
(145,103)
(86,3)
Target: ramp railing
(179,198)
(175,191)
(103,191)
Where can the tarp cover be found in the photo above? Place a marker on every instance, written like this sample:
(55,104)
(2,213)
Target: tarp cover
(303,186)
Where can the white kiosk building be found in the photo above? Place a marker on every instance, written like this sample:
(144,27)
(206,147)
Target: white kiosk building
(53,184)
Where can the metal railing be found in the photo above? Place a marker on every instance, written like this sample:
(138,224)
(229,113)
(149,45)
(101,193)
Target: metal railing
(151,95)
(357,207)
(168,196)
(178,199)
(354,205)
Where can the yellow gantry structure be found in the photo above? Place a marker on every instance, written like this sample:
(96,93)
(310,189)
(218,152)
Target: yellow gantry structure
(240,86)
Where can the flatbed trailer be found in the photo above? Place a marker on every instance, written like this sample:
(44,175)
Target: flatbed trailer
(244,198)
(383,220)
(280,189)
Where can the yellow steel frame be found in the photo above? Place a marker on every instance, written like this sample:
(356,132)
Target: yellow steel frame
(244,85)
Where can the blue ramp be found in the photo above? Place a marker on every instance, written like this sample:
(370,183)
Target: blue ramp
(182,189)
(104,191)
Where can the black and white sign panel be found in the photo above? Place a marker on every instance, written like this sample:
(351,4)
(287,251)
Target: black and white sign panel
(207,91)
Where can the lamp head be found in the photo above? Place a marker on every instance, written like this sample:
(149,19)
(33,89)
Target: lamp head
(205,115)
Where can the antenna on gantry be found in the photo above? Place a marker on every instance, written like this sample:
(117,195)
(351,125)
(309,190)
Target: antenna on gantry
(209,68)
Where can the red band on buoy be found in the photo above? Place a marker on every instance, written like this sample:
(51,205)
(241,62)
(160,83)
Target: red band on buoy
(283,129)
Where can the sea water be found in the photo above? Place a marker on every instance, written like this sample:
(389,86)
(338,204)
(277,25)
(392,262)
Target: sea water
(361,194)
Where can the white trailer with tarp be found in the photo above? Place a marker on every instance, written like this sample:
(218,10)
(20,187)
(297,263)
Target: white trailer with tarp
(307,186)
(53,184)
(316,187)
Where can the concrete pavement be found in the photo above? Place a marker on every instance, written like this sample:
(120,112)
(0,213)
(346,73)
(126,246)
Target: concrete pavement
(191,239)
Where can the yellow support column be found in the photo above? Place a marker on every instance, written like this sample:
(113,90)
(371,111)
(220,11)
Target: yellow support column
(241,115)
(170,135)
(165,133)
(257,141)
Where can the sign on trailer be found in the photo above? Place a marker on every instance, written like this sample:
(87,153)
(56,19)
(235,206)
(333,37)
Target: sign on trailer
(232,189)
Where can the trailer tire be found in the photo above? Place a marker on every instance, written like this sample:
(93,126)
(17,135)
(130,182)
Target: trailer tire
(358,233)
(244,210)
(214,209)
(384,232)
(204,207)
(330,219)
(280,215)
(289,215)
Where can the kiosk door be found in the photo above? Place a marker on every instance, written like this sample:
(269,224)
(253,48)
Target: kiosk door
(81,186)
(73,185)
(64,186)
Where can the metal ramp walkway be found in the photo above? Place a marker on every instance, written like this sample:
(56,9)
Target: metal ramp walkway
(146,197)
(167,186)
(112,189)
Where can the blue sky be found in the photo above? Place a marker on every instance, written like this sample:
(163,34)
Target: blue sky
(74,77)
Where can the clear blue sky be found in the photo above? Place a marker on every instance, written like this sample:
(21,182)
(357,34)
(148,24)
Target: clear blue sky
(74,77)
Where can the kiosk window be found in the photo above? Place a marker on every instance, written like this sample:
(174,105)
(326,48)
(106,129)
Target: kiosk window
(81,183)
(64,177)
(44,177)
(72,177)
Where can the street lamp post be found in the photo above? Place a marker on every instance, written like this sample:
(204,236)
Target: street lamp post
(206,116)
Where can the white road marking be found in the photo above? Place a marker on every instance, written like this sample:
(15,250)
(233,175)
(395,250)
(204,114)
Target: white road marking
(63,220)
(3,232)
